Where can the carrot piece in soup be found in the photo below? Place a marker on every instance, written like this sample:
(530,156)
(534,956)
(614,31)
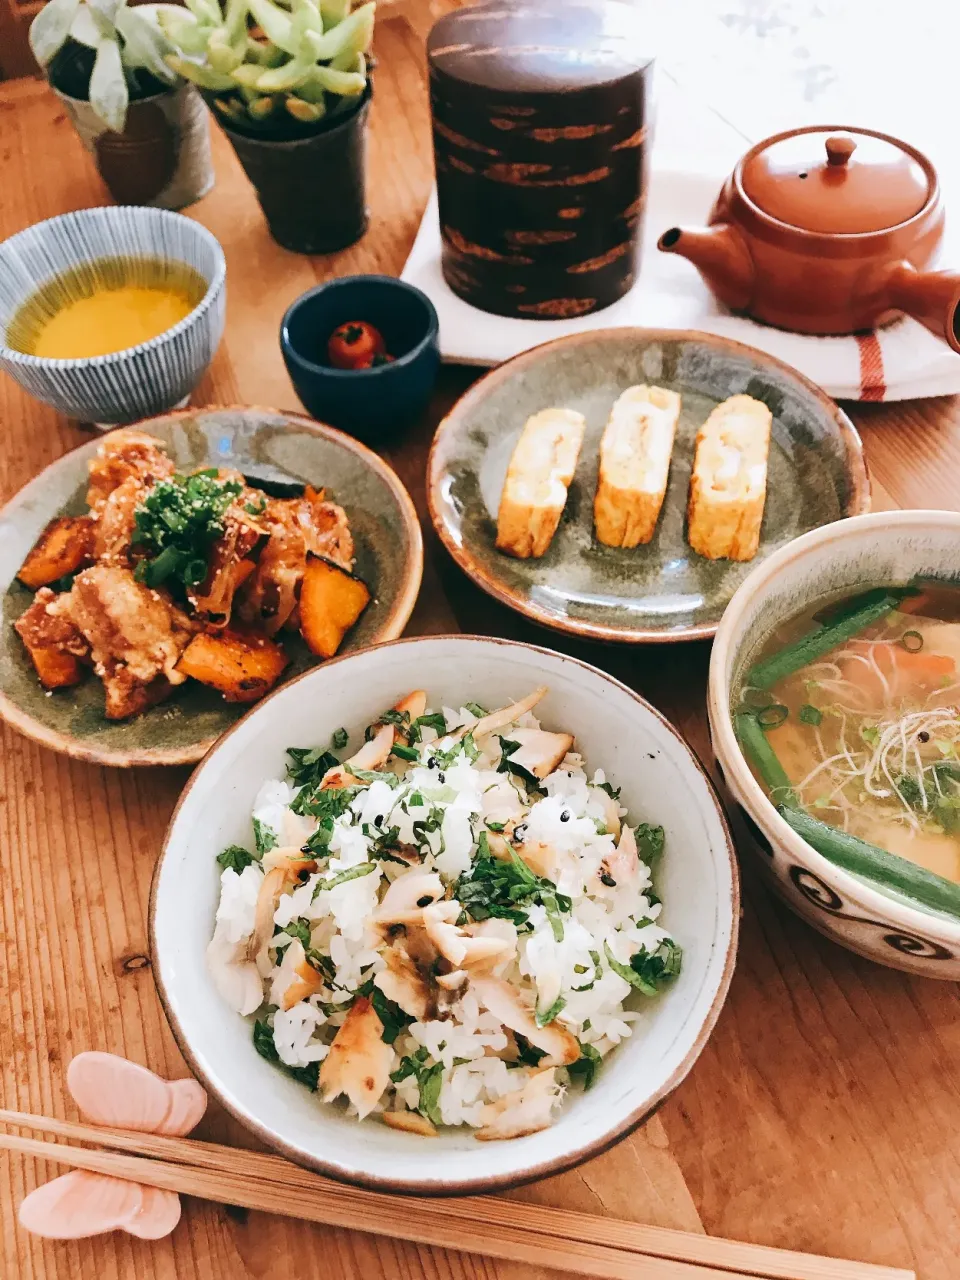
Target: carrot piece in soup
(902,669)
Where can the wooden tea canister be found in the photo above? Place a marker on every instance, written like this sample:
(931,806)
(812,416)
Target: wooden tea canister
(540,123)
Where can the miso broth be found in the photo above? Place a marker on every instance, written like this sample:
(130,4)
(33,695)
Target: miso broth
(868,731)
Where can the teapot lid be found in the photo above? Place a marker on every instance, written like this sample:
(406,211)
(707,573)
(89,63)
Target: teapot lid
(840,181)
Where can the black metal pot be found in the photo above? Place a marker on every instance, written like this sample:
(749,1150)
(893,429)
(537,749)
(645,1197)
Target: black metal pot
(312,188)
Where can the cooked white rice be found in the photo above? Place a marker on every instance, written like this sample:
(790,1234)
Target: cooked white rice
(458,811)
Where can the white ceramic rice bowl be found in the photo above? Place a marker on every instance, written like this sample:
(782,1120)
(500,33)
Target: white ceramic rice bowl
(617,731)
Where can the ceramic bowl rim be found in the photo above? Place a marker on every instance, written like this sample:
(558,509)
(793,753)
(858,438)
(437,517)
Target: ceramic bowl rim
(408,358)
(392,627)
(80,363)
(728,751)
(856,471)
(545,1168)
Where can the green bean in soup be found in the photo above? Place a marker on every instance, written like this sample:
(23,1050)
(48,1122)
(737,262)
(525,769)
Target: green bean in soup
(851,716)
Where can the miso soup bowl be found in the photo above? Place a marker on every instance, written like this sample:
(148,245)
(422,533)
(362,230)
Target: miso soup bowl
(870,550)
(138,382)
(616,731)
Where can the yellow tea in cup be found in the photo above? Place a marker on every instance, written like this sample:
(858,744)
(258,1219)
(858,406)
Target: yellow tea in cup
(105,306)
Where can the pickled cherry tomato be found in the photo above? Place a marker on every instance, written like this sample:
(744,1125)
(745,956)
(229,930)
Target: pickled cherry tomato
(356,345)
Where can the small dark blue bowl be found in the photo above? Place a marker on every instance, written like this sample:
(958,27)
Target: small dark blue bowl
(371,404)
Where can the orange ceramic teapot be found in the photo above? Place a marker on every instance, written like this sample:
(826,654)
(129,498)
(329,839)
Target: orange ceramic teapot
(827,230)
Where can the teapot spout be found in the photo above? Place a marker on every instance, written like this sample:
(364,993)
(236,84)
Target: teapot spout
(932,297)
(720,255)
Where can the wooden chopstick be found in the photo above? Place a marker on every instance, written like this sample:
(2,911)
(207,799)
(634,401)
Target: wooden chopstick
(490,1223)
(511,1244)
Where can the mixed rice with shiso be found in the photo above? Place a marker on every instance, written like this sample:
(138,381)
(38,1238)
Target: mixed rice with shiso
(445,926)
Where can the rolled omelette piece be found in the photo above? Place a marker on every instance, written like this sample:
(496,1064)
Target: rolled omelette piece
(634,465)
(728,486)
(538,477)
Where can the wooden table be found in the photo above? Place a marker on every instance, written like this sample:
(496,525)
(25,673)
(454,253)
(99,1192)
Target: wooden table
(823,1113)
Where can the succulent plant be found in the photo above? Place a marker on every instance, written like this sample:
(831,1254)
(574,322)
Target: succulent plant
(266,65)
(127,43)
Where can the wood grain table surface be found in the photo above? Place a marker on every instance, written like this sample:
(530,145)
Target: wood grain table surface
(824,1112)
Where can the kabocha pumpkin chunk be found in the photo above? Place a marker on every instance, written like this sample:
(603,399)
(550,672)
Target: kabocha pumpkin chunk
(64,547)
(53,644)
(331,601)
(56,670)
(56,667)
(243,668)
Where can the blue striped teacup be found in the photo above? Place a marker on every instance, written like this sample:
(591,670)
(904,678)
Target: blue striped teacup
(139,381)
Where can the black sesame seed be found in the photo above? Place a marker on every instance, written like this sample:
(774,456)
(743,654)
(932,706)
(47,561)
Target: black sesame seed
(378,820)
(424,901)
(432,762)
(607,879)
(923,736)
(565,816)
(441,777)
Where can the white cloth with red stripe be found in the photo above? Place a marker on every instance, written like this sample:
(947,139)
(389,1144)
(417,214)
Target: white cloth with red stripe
(900,362)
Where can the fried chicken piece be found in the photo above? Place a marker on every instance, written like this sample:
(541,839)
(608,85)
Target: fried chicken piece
(229,563)
(296,527)
(122,455)
(270,596)
(48,628)
(136,636)
(114,532)
(55,646)
(325,528)
(125,696)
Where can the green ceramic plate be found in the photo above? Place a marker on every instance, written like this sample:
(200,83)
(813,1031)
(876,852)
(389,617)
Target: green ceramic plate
(261,443)
(663,591)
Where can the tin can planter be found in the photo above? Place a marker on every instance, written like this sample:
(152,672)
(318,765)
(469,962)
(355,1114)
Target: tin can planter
(311,187)
(162,158)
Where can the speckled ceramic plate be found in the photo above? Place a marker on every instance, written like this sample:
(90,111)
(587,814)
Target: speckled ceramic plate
(262,443)
(663,591)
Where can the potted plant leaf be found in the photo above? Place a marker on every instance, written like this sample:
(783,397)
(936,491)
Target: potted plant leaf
(146,127)
(290,89)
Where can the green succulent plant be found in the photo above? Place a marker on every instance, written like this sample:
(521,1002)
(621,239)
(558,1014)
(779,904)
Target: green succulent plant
(126,42)
(263,62)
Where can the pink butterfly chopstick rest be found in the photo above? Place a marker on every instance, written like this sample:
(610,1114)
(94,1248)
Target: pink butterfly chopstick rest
(118,1094)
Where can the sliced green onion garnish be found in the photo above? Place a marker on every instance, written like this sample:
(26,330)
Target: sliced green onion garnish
(195,571)
(157,571)
(773,716)
(756,698)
